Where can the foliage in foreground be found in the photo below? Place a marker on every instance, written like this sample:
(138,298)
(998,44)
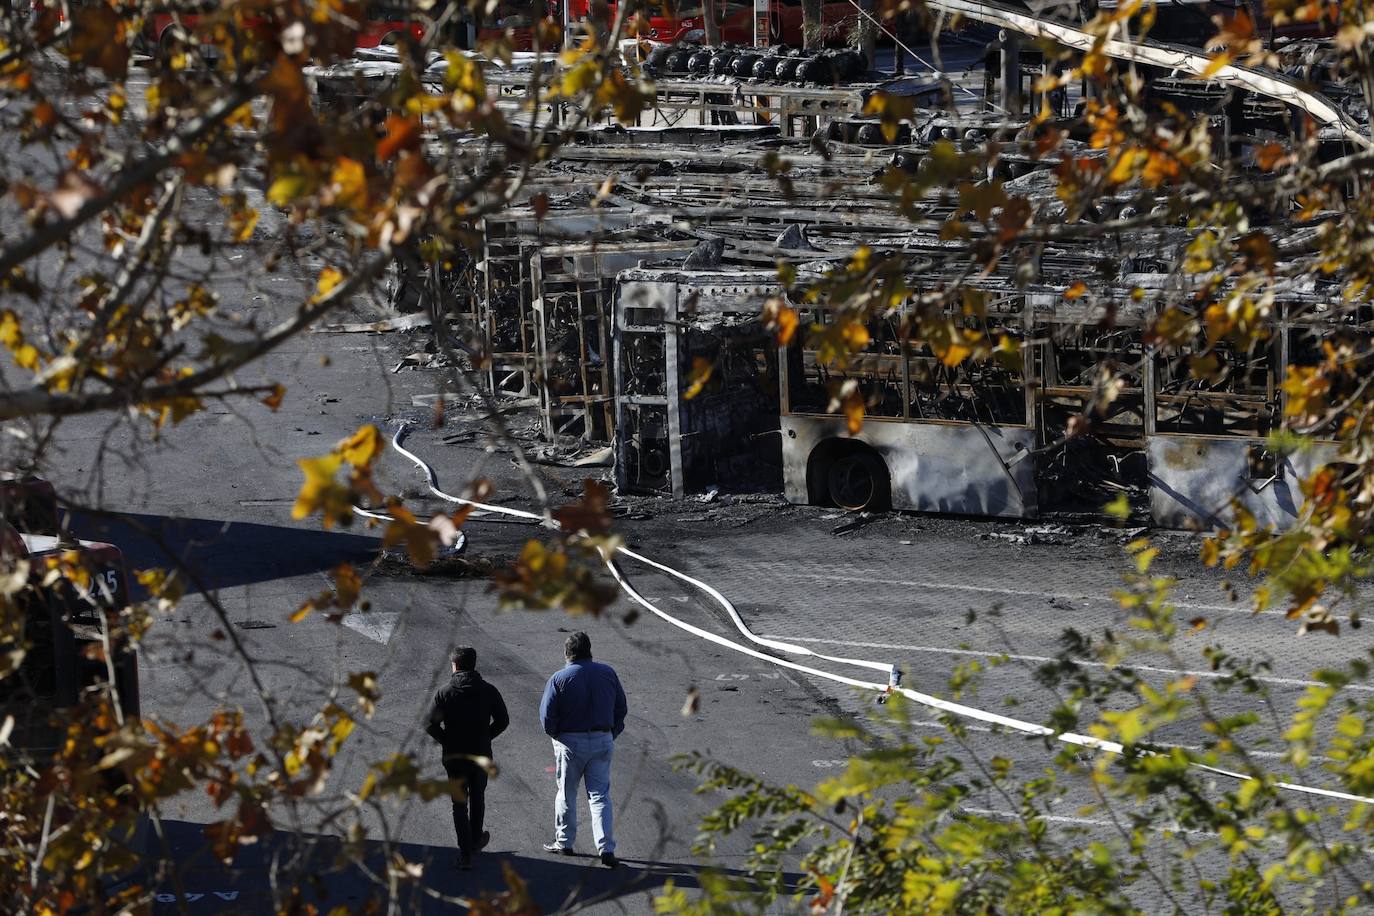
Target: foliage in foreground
(927,823)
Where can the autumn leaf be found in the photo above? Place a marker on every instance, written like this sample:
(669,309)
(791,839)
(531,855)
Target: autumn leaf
(349,183)
(1270,156)
(781,319)
(1218,63)
(1076,291)
(846,398)
(347,587)
(590,514)
(420,539)
(1200,254)
(1259,252)
(891,110)
(981,198)
(242,222)
(100,39)
(321,491)
(273,400)
(290,185)
(362,448)
(330,277)
(364,683)
(556,576)
(402,133)
(1126,164)
(285,85)
(700,374)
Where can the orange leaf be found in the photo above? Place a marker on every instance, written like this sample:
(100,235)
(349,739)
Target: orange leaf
(1076,291)
(274,399)
(851,402)
(1270,156)
(781,319)
(402,133)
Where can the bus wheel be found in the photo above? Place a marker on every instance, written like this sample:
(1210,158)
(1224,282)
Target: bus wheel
(858,480)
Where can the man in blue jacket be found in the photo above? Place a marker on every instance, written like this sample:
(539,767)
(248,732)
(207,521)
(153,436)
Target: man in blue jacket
(583,711)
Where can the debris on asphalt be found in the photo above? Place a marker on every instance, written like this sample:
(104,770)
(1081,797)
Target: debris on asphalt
(849,527)
(399,323)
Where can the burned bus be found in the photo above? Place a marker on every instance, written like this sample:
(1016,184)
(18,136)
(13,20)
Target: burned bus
(1083,412)
(1080,412)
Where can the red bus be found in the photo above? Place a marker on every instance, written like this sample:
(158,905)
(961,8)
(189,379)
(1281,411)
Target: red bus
(383,25)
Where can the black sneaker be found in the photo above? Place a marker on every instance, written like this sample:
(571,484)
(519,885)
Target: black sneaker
(609,860)
(555,846)
(483,840)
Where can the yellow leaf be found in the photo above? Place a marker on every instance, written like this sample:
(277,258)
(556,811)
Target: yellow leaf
(855,335)
(26,355)
(1076,291)
(1217,64)
(955,354)
(702,368)
(321,492)
(330,277)
(1124,169)
(286,188)
(349,184)
(361,448)
(242,223)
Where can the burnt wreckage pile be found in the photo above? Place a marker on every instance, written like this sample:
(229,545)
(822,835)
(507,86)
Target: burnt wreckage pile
(645,253)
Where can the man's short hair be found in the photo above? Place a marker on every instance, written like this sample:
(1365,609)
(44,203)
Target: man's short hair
(464,658)
(578,646)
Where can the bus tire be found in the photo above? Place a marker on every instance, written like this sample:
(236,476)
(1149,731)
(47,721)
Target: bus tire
(850,475)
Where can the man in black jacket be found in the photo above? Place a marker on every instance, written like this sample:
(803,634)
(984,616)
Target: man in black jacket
(466,714)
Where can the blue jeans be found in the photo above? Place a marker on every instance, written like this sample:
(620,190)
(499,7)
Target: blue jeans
(583,756)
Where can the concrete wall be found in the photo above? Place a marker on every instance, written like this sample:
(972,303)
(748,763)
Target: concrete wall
(1194,479)
(935,467)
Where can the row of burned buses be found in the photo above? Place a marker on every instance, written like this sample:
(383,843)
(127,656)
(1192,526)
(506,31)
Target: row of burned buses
(1083,414)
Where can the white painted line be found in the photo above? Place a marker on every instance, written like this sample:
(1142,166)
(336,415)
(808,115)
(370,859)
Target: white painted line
(940,650)
(1237,608)
(1078,821)
(375,625)
(1268,755)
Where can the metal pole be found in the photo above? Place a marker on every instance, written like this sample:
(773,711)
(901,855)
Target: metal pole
(1011,71)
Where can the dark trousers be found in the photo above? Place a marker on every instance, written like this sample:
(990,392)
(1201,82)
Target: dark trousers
(469,813)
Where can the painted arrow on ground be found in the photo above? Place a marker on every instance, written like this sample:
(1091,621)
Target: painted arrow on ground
(375,625)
